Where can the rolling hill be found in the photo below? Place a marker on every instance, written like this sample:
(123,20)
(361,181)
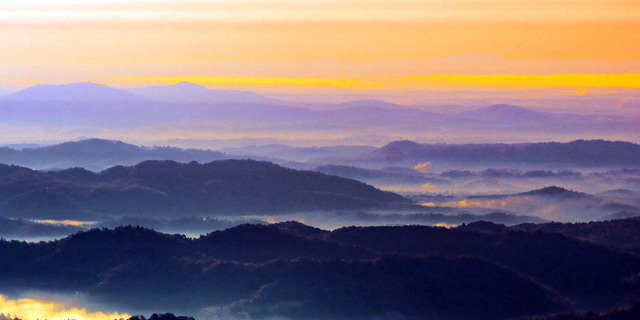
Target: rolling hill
(170,189)
(579,153)
(186,92)
(291,271)
(99,154)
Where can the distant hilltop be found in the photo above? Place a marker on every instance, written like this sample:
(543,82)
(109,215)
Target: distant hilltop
(576,153)
(99,154)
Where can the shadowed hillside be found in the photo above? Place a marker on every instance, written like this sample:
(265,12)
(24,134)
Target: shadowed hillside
(297,276)
(576,153)
(168,188)
(294,271)
(621,233)
(98,154)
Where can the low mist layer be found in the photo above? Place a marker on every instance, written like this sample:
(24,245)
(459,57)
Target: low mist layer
(34,308)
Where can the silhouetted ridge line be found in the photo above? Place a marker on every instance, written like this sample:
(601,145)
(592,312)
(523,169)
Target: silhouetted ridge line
(169,189)
(357,272)
(99,154)
(554,191)
(137,267)
(579,153)
(74,92)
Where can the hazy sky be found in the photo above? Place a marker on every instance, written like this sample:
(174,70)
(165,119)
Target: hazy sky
(356,44)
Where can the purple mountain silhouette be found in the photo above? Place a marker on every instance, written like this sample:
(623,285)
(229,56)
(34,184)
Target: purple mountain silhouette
(75,92)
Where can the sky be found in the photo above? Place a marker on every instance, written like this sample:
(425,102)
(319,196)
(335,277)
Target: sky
(291,46)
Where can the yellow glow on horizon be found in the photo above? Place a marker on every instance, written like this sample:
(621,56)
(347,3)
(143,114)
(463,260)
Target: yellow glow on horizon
(52,40)
(414,82)
(524,80)
(32,309)
(258,81)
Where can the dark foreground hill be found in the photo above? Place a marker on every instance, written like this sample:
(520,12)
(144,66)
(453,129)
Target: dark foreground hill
(168,188)
(293,271)
(621,233)
(626,313)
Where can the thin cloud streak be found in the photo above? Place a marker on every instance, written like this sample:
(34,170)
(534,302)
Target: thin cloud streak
(433,11)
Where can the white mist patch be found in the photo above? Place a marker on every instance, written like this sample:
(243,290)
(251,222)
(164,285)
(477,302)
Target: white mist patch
(66,222)
(33,309)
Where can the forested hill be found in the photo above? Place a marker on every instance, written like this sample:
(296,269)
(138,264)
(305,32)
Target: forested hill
(292,271)
(169,188)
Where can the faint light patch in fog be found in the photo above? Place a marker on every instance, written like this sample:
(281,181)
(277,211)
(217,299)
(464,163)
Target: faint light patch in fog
(32,309)
(66,222)
(424,166)
(445,225)
(428,186)
(466,203)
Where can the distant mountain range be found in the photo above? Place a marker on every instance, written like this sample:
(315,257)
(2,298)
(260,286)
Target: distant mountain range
(88,108)
(185,92)
(172,189)
(507,112)
(74,92)
(99,154)
(290,270)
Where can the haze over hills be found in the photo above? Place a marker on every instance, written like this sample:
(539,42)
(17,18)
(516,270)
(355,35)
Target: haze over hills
(311,155)
(506,112)
(579,153)
(551,203)
(189,110)
(320,160)
(99,154)
(74,92)
(186,92)
(429,174)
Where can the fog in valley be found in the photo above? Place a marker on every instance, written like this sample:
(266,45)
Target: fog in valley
(227,204)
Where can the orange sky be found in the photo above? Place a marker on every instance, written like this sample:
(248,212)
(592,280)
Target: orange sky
(117,41)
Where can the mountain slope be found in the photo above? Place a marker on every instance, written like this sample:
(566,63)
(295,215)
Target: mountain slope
(505,112)
(186,92)
(99,154)
(578,153)
(137,268)
(74,92)
(567,265)
(407,272)
(168,188)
